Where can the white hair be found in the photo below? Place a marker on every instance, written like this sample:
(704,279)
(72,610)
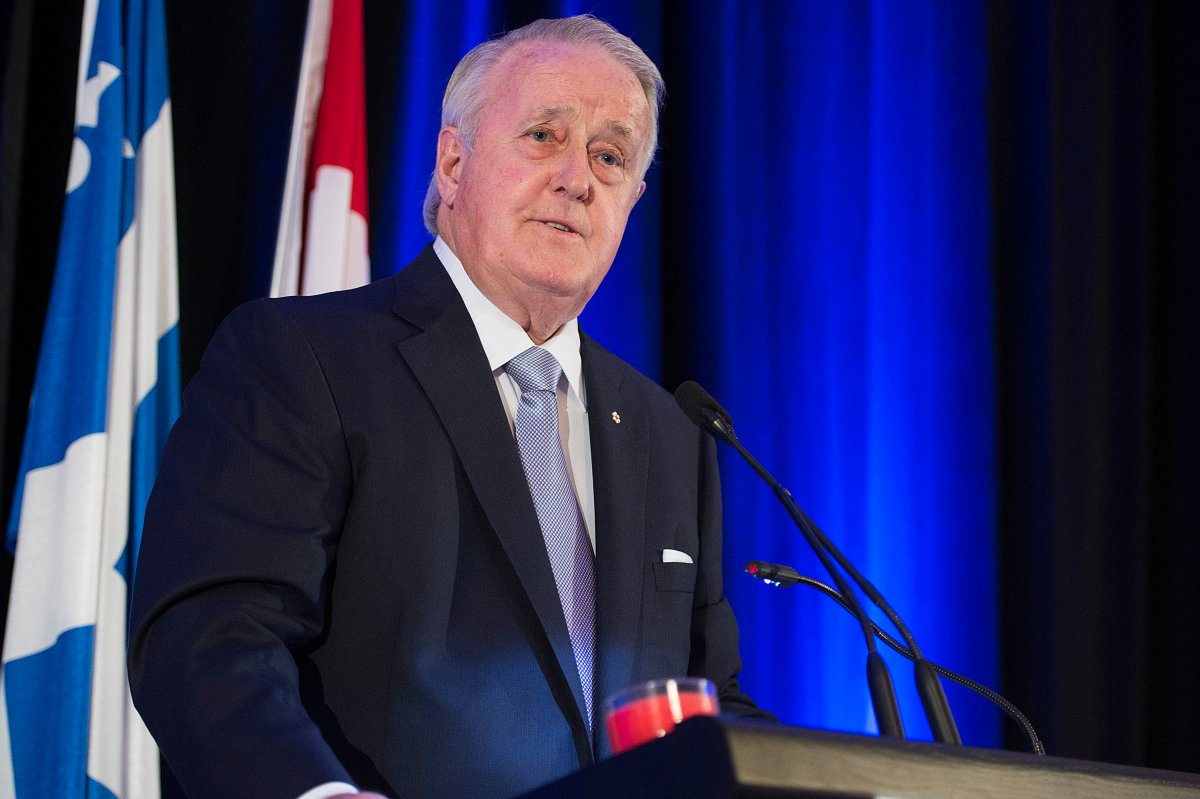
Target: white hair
(466,96)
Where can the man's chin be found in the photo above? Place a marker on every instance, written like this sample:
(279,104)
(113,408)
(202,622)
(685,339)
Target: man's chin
(563,279)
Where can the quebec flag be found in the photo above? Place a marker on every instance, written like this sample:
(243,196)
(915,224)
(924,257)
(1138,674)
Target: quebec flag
(105,394)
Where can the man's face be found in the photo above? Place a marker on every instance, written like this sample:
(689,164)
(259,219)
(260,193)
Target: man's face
(537,209)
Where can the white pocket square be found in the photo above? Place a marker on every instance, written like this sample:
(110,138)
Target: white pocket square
(675,556)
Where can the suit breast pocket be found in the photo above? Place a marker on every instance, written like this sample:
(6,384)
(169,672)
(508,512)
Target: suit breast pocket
(675,577)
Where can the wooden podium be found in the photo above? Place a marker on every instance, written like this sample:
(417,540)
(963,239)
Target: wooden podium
(710,759)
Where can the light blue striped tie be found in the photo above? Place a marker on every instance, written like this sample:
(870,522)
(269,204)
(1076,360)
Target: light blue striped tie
(537,372)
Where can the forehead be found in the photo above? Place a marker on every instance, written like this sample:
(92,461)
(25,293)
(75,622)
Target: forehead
(583,79)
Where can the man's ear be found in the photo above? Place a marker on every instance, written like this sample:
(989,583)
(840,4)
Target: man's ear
(450,153)
(641,189)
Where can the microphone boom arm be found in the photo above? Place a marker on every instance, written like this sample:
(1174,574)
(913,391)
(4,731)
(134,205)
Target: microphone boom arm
(879,678)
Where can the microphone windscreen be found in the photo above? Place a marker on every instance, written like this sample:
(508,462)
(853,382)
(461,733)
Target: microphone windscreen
(694,401)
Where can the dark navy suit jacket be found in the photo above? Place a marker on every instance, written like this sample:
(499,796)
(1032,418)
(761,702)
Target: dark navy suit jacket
(342,575)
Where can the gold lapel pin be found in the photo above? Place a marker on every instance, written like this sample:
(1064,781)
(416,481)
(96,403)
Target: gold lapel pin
(616,417)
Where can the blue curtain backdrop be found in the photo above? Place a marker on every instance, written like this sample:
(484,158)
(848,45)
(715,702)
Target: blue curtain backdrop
(814,246)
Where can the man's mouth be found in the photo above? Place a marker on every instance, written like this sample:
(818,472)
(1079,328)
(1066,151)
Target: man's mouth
(560,226)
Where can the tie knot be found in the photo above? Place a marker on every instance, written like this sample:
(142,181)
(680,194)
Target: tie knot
(535,369)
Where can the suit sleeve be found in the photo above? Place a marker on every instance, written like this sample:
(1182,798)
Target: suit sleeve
(239,541)
(714,644)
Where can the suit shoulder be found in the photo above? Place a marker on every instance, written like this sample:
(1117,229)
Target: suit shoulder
(423,282)
(338,315)
(604,361)
(376,297)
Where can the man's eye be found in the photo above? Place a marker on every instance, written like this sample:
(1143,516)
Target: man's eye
(610,159)
(539,135)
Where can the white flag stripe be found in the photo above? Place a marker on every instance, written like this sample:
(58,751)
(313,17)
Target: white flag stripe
(86,36)
(107,737)
(8,785)
(149,247)
(285,277)
(358,264)
(341,239)
(48,570)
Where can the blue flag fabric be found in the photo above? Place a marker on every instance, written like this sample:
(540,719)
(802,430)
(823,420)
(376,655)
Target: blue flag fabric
(105,395)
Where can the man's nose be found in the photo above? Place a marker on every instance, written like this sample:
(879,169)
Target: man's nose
(574,176)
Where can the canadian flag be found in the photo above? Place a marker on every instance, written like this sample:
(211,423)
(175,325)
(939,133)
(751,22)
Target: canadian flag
(322,244)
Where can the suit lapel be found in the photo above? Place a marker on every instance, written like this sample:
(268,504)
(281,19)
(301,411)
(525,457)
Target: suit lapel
(449,363)
(619,475)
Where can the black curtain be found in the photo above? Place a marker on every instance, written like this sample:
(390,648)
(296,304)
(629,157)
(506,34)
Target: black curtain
(35,139)
(233,83)
(1094,124)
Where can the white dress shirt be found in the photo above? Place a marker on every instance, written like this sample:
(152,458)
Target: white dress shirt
(503,339)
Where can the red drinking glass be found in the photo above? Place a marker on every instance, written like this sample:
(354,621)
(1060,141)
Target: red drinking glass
(651,709)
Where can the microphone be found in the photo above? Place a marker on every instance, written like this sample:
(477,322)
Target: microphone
(705,411)
(774,574)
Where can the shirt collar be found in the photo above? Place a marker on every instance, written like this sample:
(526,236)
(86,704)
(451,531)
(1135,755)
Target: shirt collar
(502,338)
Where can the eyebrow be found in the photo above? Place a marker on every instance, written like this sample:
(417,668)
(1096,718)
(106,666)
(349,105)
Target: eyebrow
(551,112)
(621,129)
(548,112)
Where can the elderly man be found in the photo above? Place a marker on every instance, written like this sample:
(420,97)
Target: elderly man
(406,538)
